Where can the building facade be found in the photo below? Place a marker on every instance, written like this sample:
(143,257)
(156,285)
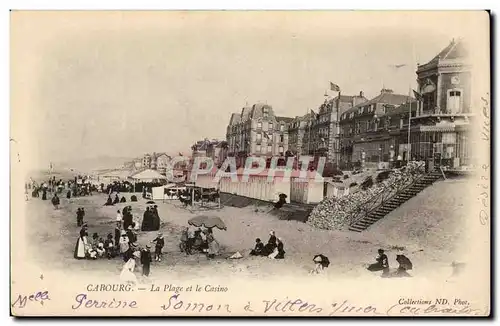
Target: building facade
(322,132)
(215,149)
(162,161)
(257,131)
(440,130)
(437,121)
(364,136)
(296,131)
(146,161)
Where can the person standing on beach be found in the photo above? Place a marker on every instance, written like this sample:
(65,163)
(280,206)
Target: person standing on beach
(55,201)
(146,260)
(79,218)
(160,242)
(118,231)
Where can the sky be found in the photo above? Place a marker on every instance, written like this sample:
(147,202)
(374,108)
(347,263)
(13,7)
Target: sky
(121,84)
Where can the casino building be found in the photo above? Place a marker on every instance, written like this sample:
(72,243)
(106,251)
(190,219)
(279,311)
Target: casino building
(376,131)
(440,129)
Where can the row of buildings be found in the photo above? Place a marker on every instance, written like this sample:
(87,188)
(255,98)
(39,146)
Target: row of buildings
(351,129)
(153,161)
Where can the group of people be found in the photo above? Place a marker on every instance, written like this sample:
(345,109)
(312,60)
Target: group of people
(117,200)
(126,246)
(200,241)
(187,196)
(274,248)
(151,219)
(92,249)
(126,219)
(382,264)
(80,214)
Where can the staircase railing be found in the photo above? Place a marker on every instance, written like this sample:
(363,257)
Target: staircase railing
(382,196)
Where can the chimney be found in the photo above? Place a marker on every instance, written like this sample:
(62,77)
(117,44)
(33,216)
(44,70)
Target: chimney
(361,94)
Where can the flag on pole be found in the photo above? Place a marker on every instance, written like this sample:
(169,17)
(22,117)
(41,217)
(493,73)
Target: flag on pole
(51,167)
(418,96)
(314,115)
(334,87)
(266,135)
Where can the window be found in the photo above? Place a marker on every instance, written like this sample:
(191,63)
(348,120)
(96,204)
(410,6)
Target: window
(270,126)
(259,136)
(282,128)
(281,149)
(281,138)
(257,149)
(269,148)
(429,101)
(259,125)
(449,138)
(454,99)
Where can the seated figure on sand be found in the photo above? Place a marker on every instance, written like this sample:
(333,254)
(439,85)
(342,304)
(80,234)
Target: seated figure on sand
(382,263)
(259,248)
(109,202)
(271,244)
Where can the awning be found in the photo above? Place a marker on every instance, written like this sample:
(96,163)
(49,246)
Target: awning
(437,128)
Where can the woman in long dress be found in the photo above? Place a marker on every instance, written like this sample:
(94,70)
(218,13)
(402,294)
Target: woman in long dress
(127,275)
(213,245)
(81,244)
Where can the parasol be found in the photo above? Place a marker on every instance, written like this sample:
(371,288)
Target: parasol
(322,259)
(207,221)
(404,262)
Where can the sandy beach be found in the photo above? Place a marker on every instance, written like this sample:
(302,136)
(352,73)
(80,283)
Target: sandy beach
(418,227)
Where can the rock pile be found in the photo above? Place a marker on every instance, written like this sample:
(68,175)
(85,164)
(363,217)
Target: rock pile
(334,213)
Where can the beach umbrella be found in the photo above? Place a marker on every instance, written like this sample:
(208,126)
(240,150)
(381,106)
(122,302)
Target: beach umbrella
(322,259)
(207,221)
(404,262)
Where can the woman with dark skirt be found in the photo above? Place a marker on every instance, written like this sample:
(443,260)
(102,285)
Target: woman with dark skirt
(271,244)
(382,263)
(259,248)
(81,244)
(281,250)
(109,202)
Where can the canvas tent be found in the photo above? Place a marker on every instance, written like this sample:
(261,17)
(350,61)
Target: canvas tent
(109,176)
(147,176)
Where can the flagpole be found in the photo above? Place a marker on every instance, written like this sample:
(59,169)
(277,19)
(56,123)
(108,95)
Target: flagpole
(409,124)
(337,131)
(309,137)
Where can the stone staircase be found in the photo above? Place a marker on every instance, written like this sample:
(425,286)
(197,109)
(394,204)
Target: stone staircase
(394,202)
